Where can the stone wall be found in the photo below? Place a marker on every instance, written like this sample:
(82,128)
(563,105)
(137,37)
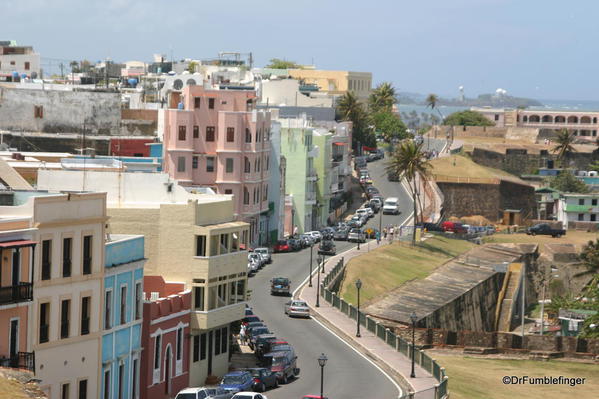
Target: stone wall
(518,196)
(60,111)
(139,122)
(58,143)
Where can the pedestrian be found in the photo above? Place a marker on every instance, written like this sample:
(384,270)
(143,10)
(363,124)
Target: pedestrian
(385,232)
(242,334)
(378,237)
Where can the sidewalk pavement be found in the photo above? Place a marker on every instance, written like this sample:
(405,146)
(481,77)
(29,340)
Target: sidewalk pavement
(384,356)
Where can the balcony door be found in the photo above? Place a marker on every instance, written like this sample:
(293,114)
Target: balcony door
(16,269)
(14,342)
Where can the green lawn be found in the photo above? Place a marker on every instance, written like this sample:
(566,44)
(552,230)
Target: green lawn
(481,378)
(389,266)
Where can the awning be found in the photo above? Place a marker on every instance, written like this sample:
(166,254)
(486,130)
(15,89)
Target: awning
(17,244)
(338,143)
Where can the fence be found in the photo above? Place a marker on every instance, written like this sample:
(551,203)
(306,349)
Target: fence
(393,340)
(461,179)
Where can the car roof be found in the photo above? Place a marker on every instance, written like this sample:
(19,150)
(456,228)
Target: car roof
(276,354)
(192,390)
(236,372)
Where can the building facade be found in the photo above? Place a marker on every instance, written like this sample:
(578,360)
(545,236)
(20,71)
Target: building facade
(19,60)
(336,83)
(216,138)
(573,209)
(122,317)
(166,336)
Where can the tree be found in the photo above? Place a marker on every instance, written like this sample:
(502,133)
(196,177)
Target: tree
(431,101)
(349,108)
(279,63)
(74,67)
(382,98)
(594,166)
(389,125)
(568,183)
(408,161)
(192,66)
(590,255)
(467,118)
(564,141)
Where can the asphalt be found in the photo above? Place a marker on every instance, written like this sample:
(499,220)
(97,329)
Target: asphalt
(346,374)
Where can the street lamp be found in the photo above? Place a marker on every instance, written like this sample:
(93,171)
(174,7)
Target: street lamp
(414,319)
(318,283)
(323,262)
(322,361)
(311,251)
(358,286)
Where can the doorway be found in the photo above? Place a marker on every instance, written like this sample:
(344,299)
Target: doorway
(210,343)
(16,261)
(167,370)
(13,351)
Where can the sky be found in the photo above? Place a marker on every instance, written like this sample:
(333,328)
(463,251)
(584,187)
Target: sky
(544,49)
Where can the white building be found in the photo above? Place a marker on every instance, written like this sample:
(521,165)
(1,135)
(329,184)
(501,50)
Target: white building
(20,59)
(578,208)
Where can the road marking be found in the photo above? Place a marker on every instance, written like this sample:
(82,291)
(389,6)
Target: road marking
(399,390)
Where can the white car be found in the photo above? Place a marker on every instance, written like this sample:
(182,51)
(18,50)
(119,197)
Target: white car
(391,206)
(297,308)
(357,220)
(356,235)
(203,393)
(264,253)
(252,267)
(316,235)
(249,395)
(257,258)
(367,211)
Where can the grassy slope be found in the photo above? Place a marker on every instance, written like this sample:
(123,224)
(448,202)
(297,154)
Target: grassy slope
(465,167)
(389,266)
(480,378)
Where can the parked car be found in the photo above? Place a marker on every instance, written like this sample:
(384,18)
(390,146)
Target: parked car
(546,230)
(356,220)
(306,240)
(294,244)
(253,324)
(391,206)
(249,319)
(204,393)
(253,334)
(454,227)
(371,191)
(365,180)
(356,235)
(264,253)
(316,235)
(374,204)
(297,308)
(263,344)
(249,395)
(280,285)
(327,233)
(252,267)
(372,157)
(263,379)
(360,162)
(327,247)
(257,258)
(237,381)
(282,246)
(341,234)
(283,364)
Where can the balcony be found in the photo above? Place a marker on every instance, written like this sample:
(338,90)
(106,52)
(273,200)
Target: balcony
(310,198)
(217,317)
(21,360)
(311,174)
(16,293)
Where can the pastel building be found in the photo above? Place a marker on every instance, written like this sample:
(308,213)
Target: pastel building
(20,60)
(216,138)
(578,210)
(166,338)
(122,316)
(336,83)
(64,324)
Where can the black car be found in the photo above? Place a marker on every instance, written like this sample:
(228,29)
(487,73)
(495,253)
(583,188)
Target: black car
(341,234)
(263,379)
(327,233)
(545,229)
(263,344)
(253,333)
(295,244)
(327,247)
(280,285)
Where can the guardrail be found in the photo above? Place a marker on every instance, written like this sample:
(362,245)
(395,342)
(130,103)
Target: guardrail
(389,337)
(469,180)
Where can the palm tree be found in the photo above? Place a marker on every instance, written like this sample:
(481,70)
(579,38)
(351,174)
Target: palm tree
(564,141)
(431,101)
(349,107)
(407,162)
(382,98)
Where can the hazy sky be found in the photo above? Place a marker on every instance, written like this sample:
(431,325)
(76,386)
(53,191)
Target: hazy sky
(544,49)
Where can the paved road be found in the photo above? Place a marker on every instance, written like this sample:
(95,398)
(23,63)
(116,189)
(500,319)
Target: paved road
(347,374)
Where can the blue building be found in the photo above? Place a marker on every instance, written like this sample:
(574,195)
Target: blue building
(122,316)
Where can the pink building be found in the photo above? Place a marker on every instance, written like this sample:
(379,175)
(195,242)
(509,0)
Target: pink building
(165,338)
(216,138)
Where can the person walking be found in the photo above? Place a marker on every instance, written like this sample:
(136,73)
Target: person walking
(242,334)
(378,237)
(385,232)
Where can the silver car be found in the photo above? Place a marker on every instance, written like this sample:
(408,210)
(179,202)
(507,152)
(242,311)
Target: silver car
(297,308)
(256,258)
(204,393)
(264,253)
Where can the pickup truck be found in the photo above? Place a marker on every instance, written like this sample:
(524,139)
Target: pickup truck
(546,230)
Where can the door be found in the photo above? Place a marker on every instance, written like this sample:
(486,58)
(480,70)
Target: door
(210,352)
(16,270)
(14,343)
(167,371)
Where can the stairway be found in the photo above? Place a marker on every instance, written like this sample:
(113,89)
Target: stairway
(508,296)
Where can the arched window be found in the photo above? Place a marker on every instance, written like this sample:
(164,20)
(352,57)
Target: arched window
(547,118)
(572,119)
(246,196)
(248,135)
(525,118)
(559,119)
(585,119)
(534,118)
(247,168)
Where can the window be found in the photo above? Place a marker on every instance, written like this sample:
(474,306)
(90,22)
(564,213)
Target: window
(198,293)
(157,349)
(194,162)
(203,346)
(240,291)
(223,340)
(217,342)
(246,165)
(224,243)
(38,111)
(593,217)
(181,164)
(267,163)
(64,391)
(123,308)
(197,101)
(265,193)
(85,308)
(246,196)
(120,387)
(179,343)
(44,322)
(87,254)
(108,310)
(46,259)
(135,378)
(580,217)
(107,384)
(182,131)
(138,303)
(27,65)
(228,191)
(82,389)
(581,201)
(594,202)
(210,133)
(211,103)
(248,135)
(200,245)
(209,164)
(64,318)
(258,165)
(66,256)
(230,134)
(229,165)
(196,348)
(196,132)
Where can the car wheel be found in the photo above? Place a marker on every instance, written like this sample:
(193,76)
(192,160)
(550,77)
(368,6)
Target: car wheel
(262,388)
(533,234)
(276,383)
(285,379)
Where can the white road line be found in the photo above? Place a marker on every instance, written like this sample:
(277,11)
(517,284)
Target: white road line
(399,390)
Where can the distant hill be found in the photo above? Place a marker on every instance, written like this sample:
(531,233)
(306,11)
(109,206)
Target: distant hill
(483,100)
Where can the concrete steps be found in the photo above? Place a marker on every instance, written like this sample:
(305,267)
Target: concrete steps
(511,285)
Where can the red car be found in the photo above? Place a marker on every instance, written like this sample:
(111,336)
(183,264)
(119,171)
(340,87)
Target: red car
(282,246)
(454,227)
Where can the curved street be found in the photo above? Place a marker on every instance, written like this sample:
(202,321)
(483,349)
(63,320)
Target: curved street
(346,374)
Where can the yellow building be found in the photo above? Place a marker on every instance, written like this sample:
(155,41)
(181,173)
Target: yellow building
(336,83)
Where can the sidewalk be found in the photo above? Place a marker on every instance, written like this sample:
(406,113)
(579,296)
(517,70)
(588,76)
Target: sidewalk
(382,354)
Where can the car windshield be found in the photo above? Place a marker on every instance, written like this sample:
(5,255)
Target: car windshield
(238,396)
(261,250)
(392,203)
(233,379)
(279,281)
(299,303)
(278,361)
(281,242)
(186,396)
(355,231)
(259,330)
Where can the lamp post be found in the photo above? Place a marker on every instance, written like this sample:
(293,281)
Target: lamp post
(318,284)
(311,251)
(358,286)
(413,318)
(323,262)
(322,361)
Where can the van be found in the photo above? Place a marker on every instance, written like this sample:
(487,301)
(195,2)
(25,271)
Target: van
(282,363)
(391,206)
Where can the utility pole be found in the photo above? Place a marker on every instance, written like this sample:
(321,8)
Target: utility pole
(542,309)
(62,70)
(523,295)
(106,71)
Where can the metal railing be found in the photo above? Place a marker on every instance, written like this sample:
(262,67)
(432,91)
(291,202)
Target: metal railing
(16,293)
(21,360)
(389,337)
